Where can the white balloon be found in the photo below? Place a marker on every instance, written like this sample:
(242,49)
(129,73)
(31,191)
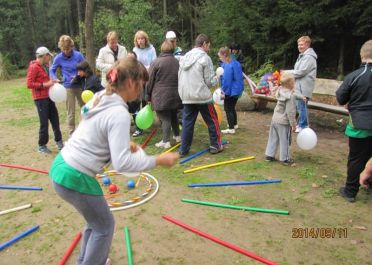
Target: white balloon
(307,139)
(57,93)
(139,155)
(217,96)
(219,71)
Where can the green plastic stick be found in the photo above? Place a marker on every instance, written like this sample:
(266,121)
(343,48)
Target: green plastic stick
(262,210)
(129,249)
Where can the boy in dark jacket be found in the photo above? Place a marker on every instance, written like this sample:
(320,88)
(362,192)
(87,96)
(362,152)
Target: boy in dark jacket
(86,79)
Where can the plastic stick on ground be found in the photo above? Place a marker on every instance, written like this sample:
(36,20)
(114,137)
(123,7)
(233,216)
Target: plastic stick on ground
(148,138)
(16,209)
(25,168)
(129,248)
(219,164)
(235,207)
(18,237)
(219,241)
(234,183)
(172,148)
(198,154)
(70,249)
(20,188)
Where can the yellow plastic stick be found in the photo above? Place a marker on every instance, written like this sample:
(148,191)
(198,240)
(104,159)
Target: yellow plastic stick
(172,148)
(219,164)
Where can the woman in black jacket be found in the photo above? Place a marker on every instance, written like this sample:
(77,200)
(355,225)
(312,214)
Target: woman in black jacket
(86,79)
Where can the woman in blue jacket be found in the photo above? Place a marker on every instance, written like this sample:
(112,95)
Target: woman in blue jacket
(232,86)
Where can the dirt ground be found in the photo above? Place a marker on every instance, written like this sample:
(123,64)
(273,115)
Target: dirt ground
(308,192)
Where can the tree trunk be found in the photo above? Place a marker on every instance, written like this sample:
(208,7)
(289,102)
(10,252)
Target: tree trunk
(31,23)
(81,28)
(164,9)
(89,34)
(340,65)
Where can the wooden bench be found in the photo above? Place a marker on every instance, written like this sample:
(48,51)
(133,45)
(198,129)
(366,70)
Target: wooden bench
(323,87)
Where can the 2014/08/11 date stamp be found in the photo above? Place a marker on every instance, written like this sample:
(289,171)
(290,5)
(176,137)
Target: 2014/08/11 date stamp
(319,232)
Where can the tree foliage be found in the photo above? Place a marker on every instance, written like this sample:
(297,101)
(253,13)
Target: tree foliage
(267,30)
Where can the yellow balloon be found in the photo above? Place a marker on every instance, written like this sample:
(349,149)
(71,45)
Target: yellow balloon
(87,95)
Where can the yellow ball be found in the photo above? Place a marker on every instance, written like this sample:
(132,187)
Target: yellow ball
(87,95)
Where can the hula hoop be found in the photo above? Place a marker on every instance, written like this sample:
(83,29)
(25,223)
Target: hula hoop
(135,201)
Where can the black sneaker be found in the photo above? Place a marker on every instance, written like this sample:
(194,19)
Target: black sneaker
(346,196)
(44,149)
(59,145)
(137,133)
(269,159)
(183,154)
(215,150)
(288,162)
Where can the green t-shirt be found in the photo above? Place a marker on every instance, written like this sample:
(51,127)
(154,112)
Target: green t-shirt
(356,133)
(68,177)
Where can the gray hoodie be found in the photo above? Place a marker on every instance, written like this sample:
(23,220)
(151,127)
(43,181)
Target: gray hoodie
(195,77)
(305,72)
(102,136)
(285,109)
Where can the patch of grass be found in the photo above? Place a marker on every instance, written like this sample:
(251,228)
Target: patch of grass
(22,122)
(306,172)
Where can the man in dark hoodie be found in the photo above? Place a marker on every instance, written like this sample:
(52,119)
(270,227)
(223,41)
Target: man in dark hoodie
(356,93)
(195,79)
(39,82)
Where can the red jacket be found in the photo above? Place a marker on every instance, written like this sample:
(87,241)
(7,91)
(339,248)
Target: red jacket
(36,76)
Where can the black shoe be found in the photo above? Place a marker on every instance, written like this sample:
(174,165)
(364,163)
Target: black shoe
(346,196)
(269,159)
(183,154)
(288,162)
(59,144)
(215,150)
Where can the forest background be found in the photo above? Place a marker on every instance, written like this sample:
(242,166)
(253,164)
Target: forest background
(266,30)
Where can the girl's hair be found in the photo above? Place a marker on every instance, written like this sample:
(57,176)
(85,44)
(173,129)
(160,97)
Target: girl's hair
(167,47)
(143,34)
(122,70)
(65,41)
(84,66)
(112,35)
(224,51)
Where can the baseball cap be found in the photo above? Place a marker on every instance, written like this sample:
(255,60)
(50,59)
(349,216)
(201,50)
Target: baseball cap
(170,35)
(42,51)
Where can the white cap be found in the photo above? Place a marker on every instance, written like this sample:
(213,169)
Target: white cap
(42,51)
(170,35)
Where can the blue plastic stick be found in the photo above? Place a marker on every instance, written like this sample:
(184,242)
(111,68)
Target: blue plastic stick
(16,238)
(20,188)
(236,183)
(198,153)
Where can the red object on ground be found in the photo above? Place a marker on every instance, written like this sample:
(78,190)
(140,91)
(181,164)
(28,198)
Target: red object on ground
(219,241)
(113,188)
(148,138)
(70,249)
(25,168)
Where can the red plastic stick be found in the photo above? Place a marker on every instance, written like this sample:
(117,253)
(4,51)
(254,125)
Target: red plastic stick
(70,249)
(148,138)
(219,241)
(25,168)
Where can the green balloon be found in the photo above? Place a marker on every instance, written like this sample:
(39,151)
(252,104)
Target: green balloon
(145,118)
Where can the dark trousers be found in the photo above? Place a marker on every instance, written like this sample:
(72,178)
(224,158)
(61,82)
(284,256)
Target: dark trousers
(168,120)
(229,105)
(190,113)
(133,108)
(360,151)
(47,112)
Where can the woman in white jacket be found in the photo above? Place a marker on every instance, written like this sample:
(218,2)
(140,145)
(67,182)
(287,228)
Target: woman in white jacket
(109,54)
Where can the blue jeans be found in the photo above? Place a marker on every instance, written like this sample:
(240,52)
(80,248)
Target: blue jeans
(190,113)
(303,114)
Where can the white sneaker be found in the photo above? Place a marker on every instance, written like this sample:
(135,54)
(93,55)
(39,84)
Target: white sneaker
(236,126)
(298,129)
(177,138)
(230,131)
(108,262)
(161,144)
